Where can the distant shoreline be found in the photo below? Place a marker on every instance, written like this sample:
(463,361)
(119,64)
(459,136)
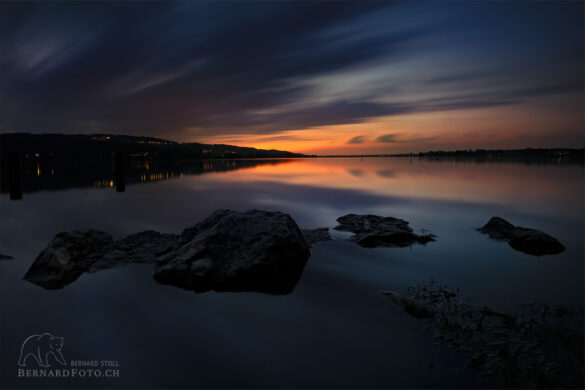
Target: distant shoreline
(480,153)
(89,147)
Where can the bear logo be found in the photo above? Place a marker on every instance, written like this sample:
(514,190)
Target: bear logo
(40,346)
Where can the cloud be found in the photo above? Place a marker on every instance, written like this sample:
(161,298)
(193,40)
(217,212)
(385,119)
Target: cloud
(359,139)
(397,138)
(188,69)
(142,80)
(388,138)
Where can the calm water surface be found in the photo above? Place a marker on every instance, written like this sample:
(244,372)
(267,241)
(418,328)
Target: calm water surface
(335,329)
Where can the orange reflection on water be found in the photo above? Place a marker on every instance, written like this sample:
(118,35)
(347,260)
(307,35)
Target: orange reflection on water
(508,183)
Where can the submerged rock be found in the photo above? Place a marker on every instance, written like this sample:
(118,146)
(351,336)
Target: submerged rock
(412,306)
(312,236)
(530,241)
(67,256)
(372,230)
(231,251)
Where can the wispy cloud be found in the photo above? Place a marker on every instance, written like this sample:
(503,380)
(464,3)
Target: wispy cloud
(143,79)
(399,138)
(388,138)
(359,139)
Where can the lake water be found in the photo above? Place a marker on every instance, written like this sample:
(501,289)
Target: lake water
(335,329)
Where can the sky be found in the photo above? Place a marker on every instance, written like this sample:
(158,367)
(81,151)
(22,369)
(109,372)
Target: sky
(310,77)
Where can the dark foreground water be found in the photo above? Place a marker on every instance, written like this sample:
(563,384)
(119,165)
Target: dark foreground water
(335,329)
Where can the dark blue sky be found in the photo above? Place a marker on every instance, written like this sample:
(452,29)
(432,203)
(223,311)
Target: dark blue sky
(340,73)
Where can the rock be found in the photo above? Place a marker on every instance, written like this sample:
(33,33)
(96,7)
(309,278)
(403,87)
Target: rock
(498,228)
(372,231)
(535,242)
(5,257)
(530,241)
(71,254)
(312,236)
(145,247)
(67,256)
(231,251)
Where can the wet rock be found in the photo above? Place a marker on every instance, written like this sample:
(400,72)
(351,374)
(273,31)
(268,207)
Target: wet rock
(145,247)
(231,251)
(312,236)
(372,231)
(530,241)
(67,256)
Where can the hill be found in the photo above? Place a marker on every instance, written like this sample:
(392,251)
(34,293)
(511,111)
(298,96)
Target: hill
(100,147)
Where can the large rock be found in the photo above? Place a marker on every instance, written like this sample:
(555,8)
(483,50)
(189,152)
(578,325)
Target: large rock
(530,241)
(372,230)
(231,251)
(67,256)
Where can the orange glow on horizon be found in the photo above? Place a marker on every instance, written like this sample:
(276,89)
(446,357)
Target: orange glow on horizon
(505,127)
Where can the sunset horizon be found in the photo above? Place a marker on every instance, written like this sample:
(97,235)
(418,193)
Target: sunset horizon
(363,78)
(359,150)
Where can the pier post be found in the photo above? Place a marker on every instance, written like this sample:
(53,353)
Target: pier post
(119,170)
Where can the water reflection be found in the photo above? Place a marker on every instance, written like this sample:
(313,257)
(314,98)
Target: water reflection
(515,184)
(20,176)
(119,170)
(546,188)
(334,329)
(14,174)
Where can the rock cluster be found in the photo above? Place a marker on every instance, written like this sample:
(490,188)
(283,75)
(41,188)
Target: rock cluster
(229,251)
(255,250)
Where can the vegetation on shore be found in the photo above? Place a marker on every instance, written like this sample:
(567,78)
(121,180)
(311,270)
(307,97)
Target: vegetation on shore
(533,346)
